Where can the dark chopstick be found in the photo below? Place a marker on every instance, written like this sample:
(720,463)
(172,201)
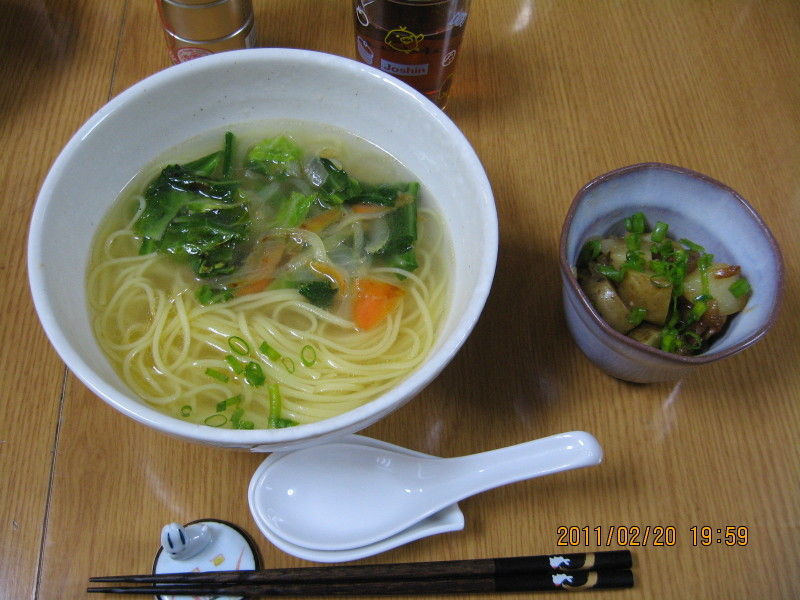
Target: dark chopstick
(486,567)
(552,581)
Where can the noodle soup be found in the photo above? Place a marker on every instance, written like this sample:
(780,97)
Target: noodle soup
(263,280)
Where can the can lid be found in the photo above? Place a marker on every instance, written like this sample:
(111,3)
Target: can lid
(202,20)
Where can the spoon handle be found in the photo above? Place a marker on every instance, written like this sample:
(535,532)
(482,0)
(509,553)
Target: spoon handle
(468,475)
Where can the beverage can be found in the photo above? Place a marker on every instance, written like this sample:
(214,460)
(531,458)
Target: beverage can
(416,41)
(195,28)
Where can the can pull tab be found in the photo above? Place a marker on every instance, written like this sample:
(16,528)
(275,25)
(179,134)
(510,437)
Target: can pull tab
(182,543)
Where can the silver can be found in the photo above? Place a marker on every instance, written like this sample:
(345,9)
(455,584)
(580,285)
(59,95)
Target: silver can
(195,28)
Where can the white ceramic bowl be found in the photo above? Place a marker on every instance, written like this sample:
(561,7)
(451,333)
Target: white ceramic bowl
(696,207)
(226,89)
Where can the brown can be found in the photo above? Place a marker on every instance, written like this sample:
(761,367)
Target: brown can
(417,41)
(197,28)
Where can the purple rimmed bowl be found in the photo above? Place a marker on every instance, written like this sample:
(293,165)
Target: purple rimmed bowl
(696,207)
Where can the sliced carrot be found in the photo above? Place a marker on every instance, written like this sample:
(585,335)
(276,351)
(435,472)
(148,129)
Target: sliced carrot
(375,300)
(251,287)
(261,275)
(331,272)
(368,209)
(319,222)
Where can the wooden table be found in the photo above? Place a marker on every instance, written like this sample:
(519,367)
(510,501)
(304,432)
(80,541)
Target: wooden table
(550,93)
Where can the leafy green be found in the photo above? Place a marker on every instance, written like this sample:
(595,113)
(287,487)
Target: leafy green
(319,292)
(293,210)
(338,186)
(197,218)
(399,247)
(207,294)
(275,156)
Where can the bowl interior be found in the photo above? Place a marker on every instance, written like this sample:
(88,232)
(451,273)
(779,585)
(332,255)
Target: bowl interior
(698,208)
(228,89)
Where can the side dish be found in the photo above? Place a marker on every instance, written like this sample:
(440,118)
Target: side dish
(661,292)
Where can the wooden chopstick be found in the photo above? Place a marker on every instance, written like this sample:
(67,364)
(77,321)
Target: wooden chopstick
(530,582)
(482,567)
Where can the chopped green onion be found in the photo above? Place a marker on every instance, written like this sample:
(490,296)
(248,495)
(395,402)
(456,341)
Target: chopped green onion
(245,424)
(669,340)
(660,281)
(216,420)
(637,315)
(224,405)
(269,351)
(698,309)
(238,345)
(236,417)
(635,223)
(633,241)
(611,273)
(288,363)
(692,246)
(706,260)
(235,363)
(589,252)
(219,375)
(740,287)
(280,423)
(698,341)
(275,403)
(634,259)
(308,355)
(659,232)
(186,410)
(254,374)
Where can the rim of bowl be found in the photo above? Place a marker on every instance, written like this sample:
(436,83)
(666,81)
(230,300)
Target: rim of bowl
(348,422)
(706,357)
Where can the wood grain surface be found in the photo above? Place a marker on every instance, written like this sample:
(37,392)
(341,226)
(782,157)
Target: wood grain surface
(550,94)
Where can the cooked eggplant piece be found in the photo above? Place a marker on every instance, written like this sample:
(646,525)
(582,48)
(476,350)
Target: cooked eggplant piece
(605,299)
(647,334)
(643,289)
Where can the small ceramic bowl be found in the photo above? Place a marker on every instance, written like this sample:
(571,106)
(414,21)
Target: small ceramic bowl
(696,207)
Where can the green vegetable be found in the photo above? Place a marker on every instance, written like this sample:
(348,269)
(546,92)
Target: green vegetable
(611,273)
(404,260)
(338,186)
(239,345)
(659,232)
(308,356)
(319,292)
(216,420)
(186,410)
(218,375)
(398,250)
(195,217)
(269,351)
(236,365)
(740,287)
(589,252)
(277,156)
(635,223)
(293,210)
(275,420)
(288,364)
(254,374)
(637,315)
(227,155)
(207,294)
(692,246)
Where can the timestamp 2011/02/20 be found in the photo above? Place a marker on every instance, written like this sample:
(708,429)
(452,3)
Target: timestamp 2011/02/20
(651,535)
